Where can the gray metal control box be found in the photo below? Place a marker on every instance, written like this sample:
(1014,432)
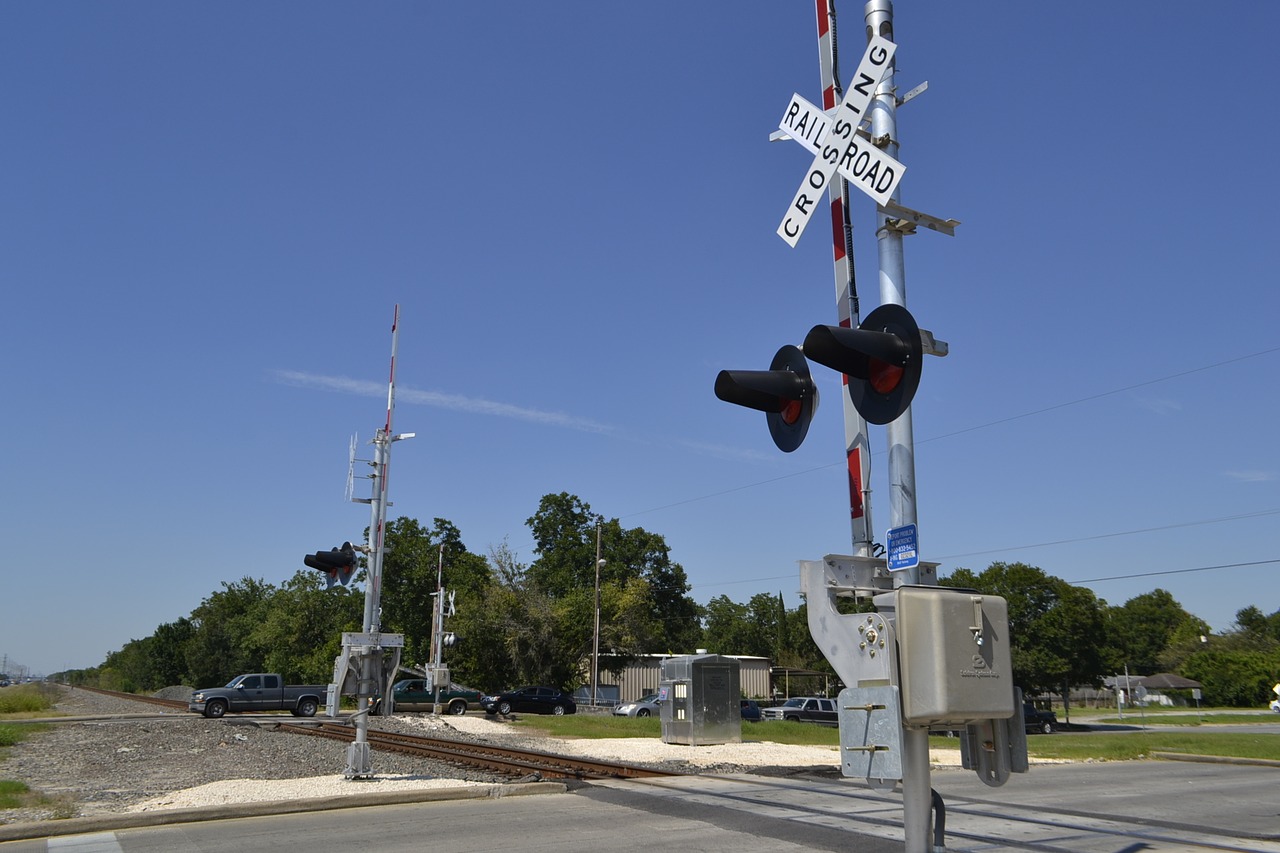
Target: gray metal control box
(953,653)
(699,700)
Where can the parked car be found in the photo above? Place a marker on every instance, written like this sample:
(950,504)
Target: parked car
(1038,720)
(750,711)
(808,709)
(645,706)
(1275,706)
(531,700)
(413,694)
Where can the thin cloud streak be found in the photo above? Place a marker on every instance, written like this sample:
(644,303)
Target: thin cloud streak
(477,406)
(452,402)
(1252,476)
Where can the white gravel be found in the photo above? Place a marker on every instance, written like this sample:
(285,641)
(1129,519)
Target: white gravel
(233,791)
(746,755)
(189,762)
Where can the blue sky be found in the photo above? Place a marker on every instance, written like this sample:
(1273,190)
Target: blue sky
(208,212)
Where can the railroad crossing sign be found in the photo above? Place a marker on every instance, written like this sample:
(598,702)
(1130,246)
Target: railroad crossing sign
(837,146)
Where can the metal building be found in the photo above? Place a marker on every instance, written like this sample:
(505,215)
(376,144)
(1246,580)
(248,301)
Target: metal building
(642,676)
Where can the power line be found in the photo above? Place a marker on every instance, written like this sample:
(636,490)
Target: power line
(1102,394)
(965,430)
(1073,583)
(1115,534)
(976,427)
(1175,572)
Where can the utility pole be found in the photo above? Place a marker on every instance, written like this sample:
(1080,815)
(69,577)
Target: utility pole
(437,633)
(595,643)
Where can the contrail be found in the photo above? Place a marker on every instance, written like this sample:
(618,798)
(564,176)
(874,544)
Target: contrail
(453,402)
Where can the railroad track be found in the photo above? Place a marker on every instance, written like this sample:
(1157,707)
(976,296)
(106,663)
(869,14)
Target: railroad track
(498,759)
(135,697)
(505,760)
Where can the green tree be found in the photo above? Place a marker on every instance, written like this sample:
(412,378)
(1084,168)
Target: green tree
(301,630)
(1054,628)
(1189,638)
(220,646)
(168,652)
(727,629)
(1140,630)
(129,669)
(565,532)
(1257,629)
(802,652)
(415,559)
(1238,677)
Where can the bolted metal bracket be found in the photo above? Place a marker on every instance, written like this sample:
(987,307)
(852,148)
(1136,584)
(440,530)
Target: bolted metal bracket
(905,219)
(870,733)
(860,646)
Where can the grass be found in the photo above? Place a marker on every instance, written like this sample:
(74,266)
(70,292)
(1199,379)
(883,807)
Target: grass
(608,726)
(15,794)
(1126,746)
(11,734)
(25,700)
(1192,719)
(1117,746)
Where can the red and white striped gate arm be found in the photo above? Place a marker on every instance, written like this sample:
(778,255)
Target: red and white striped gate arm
(857,446)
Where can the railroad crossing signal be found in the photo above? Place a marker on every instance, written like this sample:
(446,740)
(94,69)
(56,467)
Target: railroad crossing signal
(785,393)
(338,564)
(881,358)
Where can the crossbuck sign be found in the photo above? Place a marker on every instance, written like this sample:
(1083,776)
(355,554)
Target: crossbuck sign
(836,145)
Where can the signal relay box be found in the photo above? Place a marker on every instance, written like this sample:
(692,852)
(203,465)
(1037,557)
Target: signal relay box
(953,653)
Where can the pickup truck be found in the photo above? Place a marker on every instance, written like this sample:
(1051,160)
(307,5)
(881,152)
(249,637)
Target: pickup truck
(258,691)
(804,709)
(412,694)
(1038,720)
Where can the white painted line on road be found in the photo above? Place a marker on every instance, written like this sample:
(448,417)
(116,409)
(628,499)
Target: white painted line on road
(99,842)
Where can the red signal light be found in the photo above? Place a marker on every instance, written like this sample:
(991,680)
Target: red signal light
(881,358)
(785,393)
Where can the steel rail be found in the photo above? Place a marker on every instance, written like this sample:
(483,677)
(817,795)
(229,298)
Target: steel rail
(506,760)
(136,697)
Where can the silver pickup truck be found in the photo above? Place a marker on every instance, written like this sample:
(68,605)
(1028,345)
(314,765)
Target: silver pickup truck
(258,691)
(805,709)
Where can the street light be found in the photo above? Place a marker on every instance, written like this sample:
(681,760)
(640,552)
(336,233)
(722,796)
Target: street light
(595,645)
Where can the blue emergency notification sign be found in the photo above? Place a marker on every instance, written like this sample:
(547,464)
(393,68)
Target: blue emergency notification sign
(904,548)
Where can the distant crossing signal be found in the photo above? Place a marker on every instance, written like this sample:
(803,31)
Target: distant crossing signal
(338,564)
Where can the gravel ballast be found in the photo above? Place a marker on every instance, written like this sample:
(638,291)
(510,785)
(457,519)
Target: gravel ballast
(186,761)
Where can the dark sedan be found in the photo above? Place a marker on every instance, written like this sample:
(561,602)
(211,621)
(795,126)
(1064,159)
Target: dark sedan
(531,700)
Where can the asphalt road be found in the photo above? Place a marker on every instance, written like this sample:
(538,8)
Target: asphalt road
(1076,808)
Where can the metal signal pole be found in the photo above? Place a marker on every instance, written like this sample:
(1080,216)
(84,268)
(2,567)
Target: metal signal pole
(359,763)
(917,802)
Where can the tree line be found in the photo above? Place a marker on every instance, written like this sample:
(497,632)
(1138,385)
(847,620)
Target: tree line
(534,623)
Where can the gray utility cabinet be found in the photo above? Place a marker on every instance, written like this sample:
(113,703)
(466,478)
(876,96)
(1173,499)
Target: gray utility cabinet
(954,653)
(699,697)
